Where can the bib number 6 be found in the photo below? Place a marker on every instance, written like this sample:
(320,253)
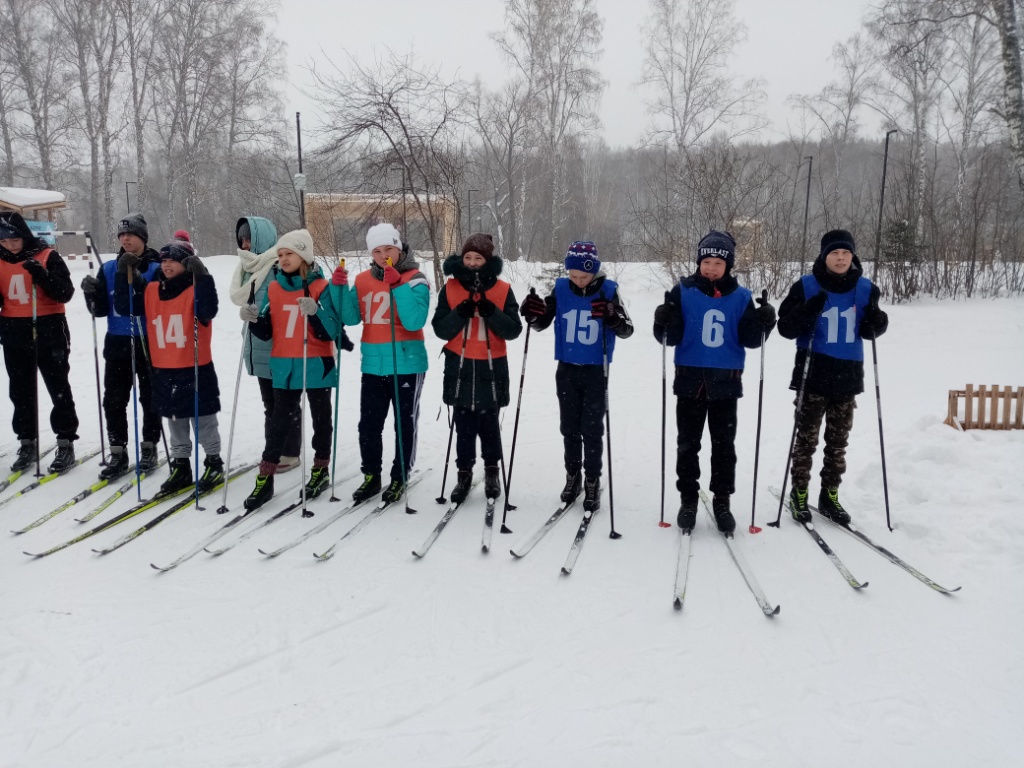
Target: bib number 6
(713,332)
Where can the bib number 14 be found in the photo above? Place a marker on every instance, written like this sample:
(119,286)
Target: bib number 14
(172,335)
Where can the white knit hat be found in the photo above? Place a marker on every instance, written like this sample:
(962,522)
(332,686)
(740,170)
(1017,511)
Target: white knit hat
(298,240)
(382,234)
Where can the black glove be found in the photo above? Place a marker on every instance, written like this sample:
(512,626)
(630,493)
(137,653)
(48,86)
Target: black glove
(346,342)
(90,286)
(194,265)
(602,309)
(34,268)
(485,307)
(126,260)
(765,313)
(812,307)
(533,308)
(667,313)
(874,322)
(466,309)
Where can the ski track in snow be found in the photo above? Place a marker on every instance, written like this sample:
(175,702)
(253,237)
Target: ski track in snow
(481,661)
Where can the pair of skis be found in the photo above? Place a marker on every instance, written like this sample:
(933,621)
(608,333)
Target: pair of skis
(15,475)
(738,557)
(852,530)
(548,525)
(47,478)
(485,540)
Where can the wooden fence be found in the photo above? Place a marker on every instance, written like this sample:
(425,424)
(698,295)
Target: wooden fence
(992,407)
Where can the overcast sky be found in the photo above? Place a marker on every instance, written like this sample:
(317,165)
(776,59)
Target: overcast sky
(788,45)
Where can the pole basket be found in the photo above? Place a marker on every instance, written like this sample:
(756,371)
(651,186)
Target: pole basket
(663,524)
(754,529)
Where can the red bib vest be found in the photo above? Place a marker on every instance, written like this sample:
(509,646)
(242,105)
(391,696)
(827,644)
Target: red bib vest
(476,341)
(286,321)
(375,310)
(16,288)
(171,332)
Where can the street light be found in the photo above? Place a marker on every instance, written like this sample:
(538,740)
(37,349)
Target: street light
(807,207)
(127,199)
(469,210)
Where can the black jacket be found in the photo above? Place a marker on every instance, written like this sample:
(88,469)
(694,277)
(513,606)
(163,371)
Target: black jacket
(56,283)
(711,383)
(623,330)
(828,376)
(475,386)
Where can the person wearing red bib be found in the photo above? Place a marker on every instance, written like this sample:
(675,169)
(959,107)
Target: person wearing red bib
(476,314)
(182,292)
(297,299)
(34,280)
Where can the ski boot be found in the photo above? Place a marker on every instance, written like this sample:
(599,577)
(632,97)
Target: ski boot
(393,492)
(117,464)
(149,457)
(592,494)
(261,494)
(214,474)
(492,482)
(573,484)
(64,458)
(179,479)
(462,484)
(798,505)
(687,517)
(829,506)
(319,479)
(723,515)
(370,487)
(26,456)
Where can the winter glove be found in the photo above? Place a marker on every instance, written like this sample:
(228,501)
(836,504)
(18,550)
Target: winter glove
(195,266)
(533,308)
(874,322)
(485,307)
(812,307)
(666,313)
(34,268)
(126,260)
(307,306)
(391,276)
(346,342)
(466,309)
(90,286)
(765,313)
(340,276)
(249,313)
(602,309)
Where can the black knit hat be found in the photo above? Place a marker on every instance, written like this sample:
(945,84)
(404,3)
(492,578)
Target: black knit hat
(835,239)
(8,232)
(134,224)
(717,245)
(480,243)
(177,250)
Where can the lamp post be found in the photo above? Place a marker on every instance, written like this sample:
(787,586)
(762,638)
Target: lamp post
(300,177)
(807,207)
(469,210)
(127,199)
(881,205)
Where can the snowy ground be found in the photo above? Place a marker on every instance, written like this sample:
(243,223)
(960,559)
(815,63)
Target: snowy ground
(466,659)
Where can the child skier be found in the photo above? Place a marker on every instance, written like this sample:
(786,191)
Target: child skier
(829,312)
(297,296)
(476,314)
(122,333)
(711,321)
(182,294)
(588,315)
(34,286)
(393,276)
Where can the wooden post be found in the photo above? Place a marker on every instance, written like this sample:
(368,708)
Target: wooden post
(1007,405)
(1019,422)
(968,406)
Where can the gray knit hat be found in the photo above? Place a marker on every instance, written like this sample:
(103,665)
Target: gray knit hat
(134,224)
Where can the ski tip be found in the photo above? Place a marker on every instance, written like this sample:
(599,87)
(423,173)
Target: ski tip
(862,585)
(513,553)
(267,554)
(40,554)
(417,555)
(775,612)
(155,567)
(565,572)
(484,548)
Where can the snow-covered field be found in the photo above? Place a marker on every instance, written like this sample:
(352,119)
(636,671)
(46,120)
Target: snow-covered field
(471,659)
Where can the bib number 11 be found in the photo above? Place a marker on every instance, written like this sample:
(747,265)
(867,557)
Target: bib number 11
(832,318)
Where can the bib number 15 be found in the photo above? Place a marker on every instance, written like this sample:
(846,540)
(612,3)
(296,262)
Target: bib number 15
(580,327)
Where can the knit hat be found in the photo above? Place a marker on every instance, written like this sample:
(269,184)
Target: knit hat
(298,240)
(835,239)
(7,232)
(717,245)
(182,234)
(177,250)
(479,243)
(582,255)
(382,234)
(134,224)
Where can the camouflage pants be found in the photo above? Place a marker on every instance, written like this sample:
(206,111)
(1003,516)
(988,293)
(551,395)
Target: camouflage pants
(838,415)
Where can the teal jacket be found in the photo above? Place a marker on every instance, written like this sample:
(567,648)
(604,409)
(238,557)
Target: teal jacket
(257,352)
(286,372)
(412,305)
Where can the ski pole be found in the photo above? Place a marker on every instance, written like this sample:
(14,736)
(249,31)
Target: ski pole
(234,403)
(398,409)
(451,427)
(664,418)
(757,440)
(130,277)
(35,372)
(337,403)
(195,384)
(302,396)
(515,428)
(608,428)
(494,397)
(96,360)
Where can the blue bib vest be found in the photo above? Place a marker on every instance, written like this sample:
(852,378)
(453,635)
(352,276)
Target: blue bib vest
(711,338)
(837,333)
(578,336)
(121,325)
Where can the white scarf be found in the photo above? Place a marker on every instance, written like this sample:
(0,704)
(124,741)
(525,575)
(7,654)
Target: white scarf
(251,272)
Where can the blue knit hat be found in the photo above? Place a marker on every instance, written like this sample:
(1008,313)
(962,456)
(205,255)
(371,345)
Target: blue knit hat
(582,255)
(717,245)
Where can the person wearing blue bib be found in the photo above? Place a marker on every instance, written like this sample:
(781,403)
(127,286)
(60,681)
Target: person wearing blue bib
(122,333)
(711,321)
(588,316)
(828,312)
